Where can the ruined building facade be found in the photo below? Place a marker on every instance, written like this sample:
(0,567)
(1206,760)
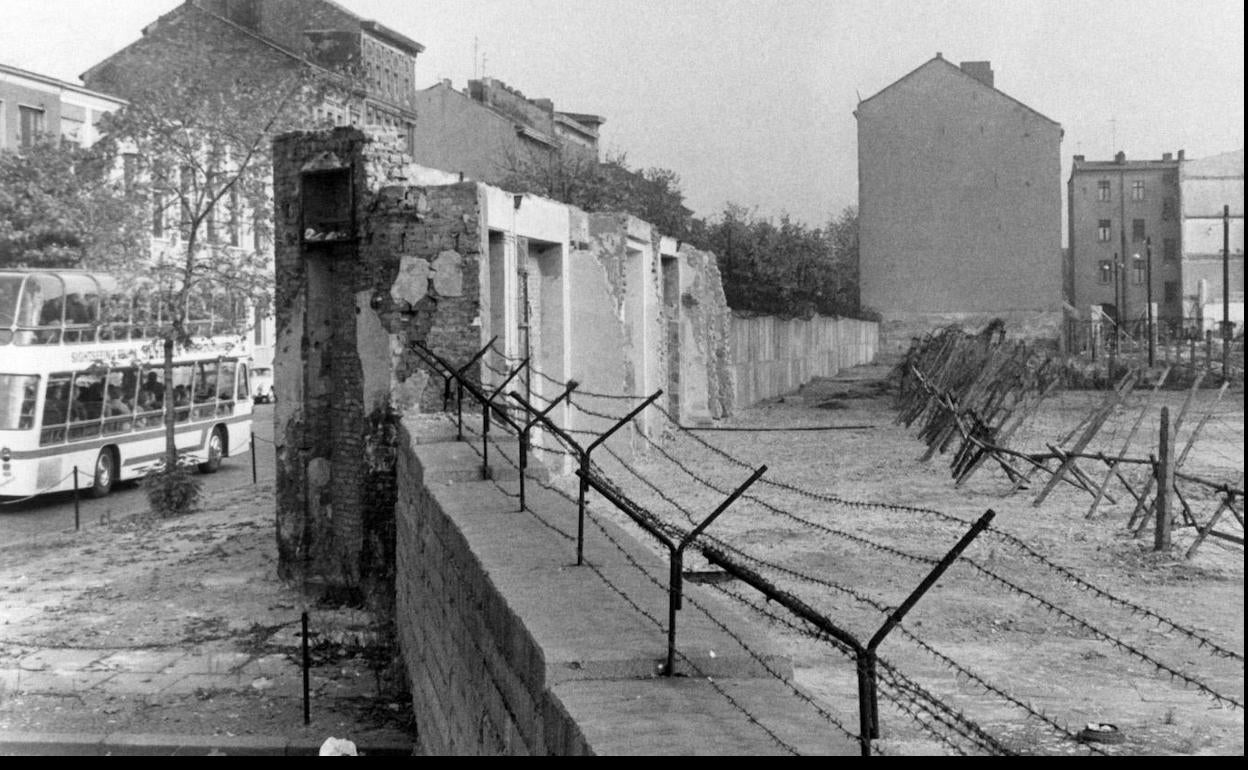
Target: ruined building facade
(375,253)
(959,206)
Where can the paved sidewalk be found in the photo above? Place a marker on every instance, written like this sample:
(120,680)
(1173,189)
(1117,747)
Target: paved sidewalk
(177,638)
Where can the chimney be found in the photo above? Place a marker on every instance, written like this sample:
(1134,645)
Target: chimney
(980,70)
(545,104)
(1120,158)
(1180,155)
(1167,156)
(1079,159)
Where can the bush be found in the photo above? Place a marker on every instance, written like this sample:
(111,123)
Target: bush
(173,492)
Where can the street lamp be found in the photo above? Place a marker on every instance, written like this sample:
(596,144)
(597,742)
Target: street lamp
(1118,297)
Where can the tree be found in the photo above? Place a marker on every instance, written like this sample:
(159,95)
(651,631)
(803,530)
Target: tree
(578,178)
(196,141)
(64,206)
(784,267)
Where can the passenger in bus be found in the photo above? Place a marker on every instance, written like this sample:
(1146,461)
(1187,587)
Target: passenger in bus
(154,385)
(148,400)
(115,405)
(76,311)
(56,407)
(181,396)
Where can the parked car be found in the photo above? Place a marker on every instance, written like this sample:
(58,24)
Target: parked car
(262,385)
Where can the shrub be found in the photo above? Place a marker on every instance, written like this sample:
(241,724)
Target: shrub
(173,491)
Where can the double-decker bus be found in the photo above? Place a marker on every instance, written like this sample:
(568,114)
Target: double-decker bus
(83,385)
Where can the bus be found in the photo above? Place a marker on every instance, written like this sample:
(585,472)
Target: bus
(83,391)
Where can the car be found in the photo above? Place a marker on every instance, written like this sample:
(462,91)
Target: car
(262,385)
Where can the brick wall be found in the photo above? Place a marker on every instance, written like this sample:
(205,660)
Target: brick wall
(343,338)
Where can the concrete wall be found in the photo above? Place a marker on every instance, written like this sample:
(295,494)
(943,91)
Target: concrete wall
(773,356)
(959,200)
(453,265)
(512,649)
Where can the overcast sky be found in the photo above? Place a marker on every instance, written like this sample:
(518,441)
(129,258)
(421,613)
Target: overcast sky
(752,101)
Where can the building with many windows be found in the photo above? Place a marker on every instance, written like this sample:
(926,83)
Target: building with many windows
(34,105)
(1122,212)
(1164,218)
(490,130)
(373,66)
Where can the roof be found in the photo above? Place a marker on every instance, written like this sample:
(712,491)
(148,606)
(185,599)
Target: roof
(176,14)
(1128,165)
(400,41)
(939,60)
(1228,165)
(51,81)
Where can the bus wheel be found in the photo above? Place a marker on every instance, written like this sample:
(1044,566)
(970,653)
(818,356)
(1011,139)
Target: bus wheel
(105,473)
(216,450)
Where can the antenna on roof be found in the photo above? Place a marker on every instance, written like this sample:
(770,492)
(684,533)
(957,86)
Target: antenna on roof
(475,57)
(1113,134)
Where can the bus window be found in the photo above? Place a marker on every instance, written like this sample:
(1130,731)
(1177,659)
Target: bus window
(151,400)
(118,407)
(56,409)
(225,393)
(205,390)
(17,401)
(182,381)
(244,387)
(86,405)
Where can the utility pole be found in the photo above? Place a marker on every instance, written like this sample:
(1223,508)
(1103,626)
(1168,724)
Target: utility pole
(1148,297)
(1122,237)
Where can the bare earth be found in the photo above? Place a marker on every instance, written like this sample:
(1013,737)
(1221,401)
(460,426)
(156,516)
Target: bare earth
(181,627)
(1014,645)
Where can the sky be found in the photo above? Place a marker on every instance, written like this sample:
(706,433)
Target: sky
(752,101)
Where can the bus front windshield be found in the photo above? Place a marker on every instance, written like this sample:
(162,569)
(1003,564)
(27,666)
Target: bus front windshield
(17,401)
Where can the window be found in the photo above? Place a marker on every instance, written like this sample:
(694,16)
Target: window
(30,125)
(1102,230)
(1170,250)
(1102,190)
(1137,230)
(1137,190)
(236,217)
(158,215)
(1167,209)
(1172,292)
(1107,272)
(1137,271)
(72,130)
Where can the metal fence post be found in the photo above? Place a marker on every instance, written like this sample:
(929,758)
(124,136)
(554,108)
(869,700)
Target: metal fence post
(76,519)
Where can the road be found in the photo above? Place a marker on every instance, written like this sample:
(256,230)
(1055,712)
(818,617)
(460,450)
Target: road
(55,513)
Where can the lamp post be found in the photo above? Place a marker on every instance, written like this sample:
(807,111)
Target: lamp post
(1117,302)
(1148,295)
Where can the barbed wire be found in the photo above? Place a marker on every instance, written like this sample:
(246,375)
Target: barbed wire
(637,565)
(1202,641)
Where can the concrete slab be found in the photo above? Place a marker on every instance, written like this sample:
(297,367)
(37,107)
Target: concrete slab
(217,662)
(138,683)
(61,660)
(139,661)
(631,717)
(13,743)
(59,681)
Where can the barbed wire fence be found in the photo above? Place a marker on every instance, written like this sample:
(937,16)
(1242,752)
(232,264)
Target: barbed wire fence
(619,478)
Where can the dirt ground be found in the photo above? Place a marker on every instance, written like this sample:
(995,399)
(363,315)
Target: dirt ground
(1082,624)
(182,627)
